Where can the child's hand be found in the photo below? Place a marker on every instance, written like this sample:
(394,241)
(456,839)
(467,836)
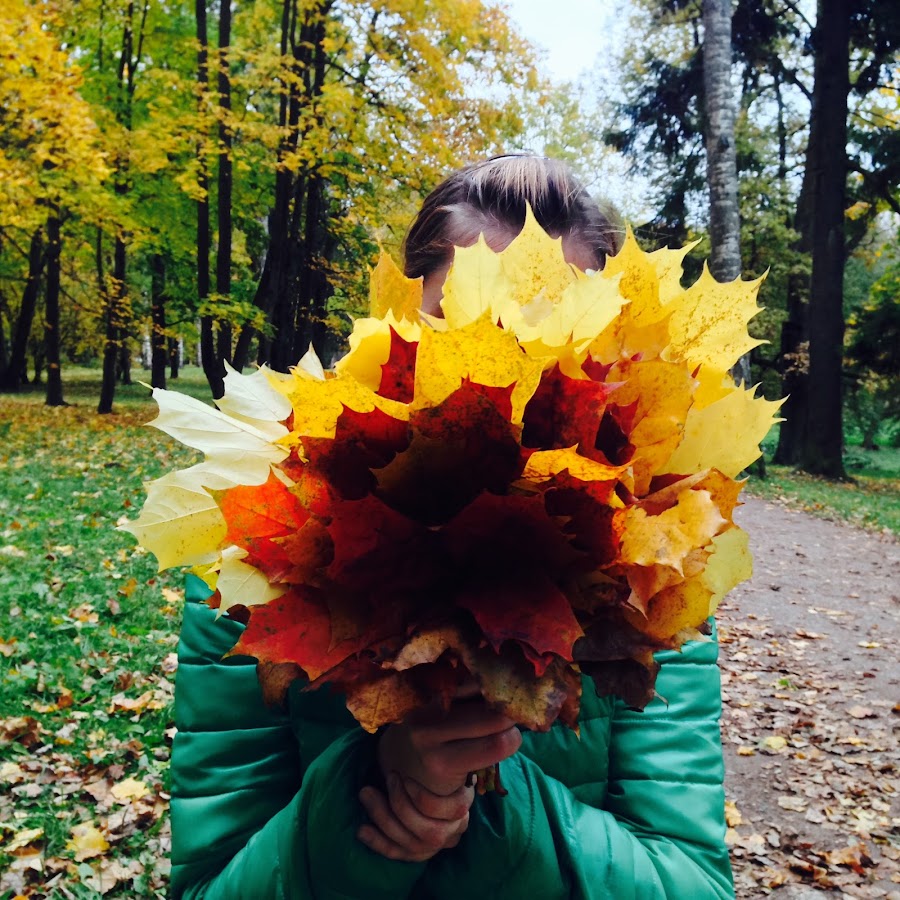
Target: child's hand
(411,823)
(426,764)
(439,749)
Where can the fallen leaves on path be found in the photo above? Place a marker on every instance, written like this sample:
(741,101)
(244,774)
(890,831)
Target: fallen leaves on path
(813,780)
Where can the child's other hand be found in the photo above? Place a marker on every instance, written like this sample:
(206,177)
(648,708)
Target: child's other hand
(412,824)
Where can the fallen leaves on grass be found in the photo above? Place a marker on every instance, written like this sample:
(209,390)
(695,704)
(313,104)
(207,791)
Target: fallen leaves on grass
(86,660)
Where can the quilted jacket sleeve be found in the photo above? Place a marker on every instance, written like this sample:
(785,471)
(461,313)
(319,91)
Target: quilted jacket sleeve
(247,824)
(660,834)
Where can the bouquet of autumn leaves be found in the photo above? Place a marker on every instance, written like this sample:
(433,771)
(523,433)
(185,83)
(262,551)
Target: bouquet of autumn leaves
(539,485)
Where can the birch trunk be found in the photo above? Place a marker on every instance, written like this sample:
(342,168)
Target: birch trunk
(721,162)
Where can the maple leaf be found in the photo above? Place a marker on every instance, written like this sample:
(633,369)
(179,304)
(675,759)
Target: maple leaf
(479,352)
(724,435)
(708,321)
(391,292)
(181,524)
(87,841)
(370,347)
(244,445)
(566,412)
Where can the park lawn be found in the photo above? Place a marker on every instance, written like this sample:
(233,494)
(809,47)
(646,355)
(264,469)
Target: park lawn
(869,498)
(88,631)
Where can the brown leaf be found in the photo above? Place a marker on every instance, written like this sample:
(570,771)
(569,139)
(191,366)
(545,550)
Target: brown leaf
(24,729)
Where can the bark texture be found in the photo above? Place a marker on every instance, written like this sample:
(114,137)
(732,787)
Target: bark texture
(721,159)
(51,319)
(159,351)
(211,367)
(822,452)
(12,377)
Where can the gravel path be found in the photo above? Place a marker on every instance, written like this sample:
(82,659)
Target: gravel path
(811,685)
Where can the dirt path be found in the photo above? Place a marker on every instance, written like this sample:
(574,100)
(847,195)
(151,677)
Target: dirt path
(811,683)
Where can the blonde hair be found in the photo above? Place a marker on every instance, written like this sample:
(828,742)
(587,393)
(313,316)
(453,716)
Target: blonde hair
(491,197)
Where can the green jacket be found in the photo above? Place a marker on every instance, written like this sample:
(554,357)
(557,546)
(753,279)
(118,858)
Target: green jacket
(265,806)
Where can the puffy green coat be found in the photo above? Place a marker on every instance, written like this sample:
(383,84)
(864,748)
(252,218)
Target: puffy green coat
(265,805)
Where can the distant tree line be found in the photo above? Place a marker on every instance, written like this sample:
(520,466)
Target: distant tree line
(225,172)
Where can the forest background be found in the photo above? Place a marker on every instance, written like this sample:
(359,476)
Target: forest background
(193,183)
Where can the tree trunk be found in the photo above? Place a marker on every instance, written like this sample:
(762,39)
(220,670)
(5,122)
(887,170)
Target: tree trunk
(314,289)
(158,343)
(223,201)
(123,366)
(794,350)
(4,349)
(300,291)
(115,329)
(721,162)
(822,452)
(51,323)
(38,358)
(211,368)
(174,357)
(274,283)
(11,378)
(116,356)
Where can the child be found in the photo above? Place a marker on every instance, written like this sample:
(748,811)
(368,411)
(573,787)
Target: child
(307,805)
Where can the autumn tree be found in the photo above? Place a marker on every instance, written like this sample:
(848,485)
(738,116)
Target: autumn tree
(51,166)
(397,81)
(243,185)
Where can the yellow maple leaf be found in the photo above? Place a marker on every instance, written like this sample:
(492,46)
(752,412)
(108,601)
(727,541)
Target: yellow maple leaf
(674,609)
(240,583)
(639,280)
(86,842)
(729,565)
(534,264)
(665,539)
(648,281)
(662,392)
(711,385)
(180,523)
(585,309)
(317,405)
(708,321)
(370,347)
(544,464)
(475,285)
(390,291)
(724,435)
(129,789)
(480,352)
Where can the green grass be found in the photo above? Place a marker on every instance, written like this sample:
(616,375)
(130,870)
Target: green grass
(87,630)
(81,387)
(871,498)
